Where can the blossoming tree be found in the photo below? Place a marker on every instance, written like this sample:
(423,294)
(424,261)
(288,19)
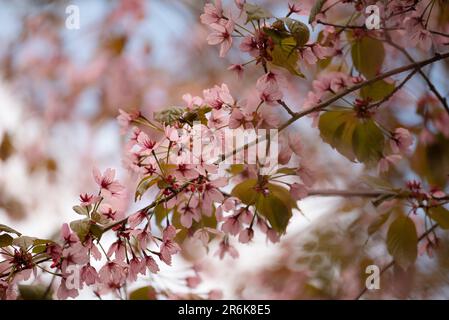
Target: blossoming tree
(355,77)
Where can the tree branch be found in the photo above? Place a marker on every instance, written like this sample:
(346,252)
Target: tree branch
(348,193)
(423,75)
(390,73)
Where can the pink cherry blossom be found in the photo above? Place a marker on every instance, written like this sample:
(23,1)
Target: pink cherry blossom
(117,249)
(273,236)
(249,44)
(202,234)
(226,248)
(108,212)
(385,163)
(401,140)
(285,151)
(192,101)
(146,144)
(77,254)
(68,236)
(218,96)
(298,191)
(222,34)
(189,212)
(238,69)
(109,186)
(125,119)
(319,51)
(136,266)
(135,219)
(88,199)
(246,235)
(94,252)
(212,194)
(89,275)
(232,225)
(245,215)
(307,175)
(194,281)
(112,272)
(270,94)
(273,78)
(307,55)
(64,293)
(151,264)
(212,13)
(238,118)
(294,142)
(215,295)
(185,172)
(143,236)
(168,247)
(171,133)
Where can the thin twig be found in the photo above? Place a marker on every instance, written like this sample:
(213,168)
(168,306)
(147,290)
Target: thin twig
(392,263)
(423,75)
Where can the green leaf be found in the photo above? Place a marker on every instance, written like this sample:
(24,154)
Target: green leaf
(81,228)
(39,248)
(368,55)
(298,30)
(245,191)
(332,125)
(316,9)
(35,292)
(440,215)
(402,241)
(144,293)
(277,212)
(283,194)
(368,141)
(99,218)
(7,229)
(377,91)
(255,12)
(81,210)
(143,186)
(356,139)
(5,240)
(96,230)
(431,160)
(236,169)
(40,245)
(377,183)
(24,242)
(284,55)
(42,241)
(160,213)
(199,114)
(378,222)
(168,116)
(285,170)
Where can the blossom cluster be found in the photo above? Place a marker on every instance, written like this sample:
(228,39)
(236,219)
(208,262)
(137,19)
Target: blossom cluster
(191,195)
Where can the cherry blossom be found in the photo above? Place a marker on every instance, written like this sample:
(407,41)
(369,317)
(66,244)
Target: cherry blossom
(222,34)
(109,186)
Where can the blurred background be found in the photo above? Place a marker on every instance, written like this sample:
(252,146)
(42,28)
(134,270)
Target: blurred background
(60,91)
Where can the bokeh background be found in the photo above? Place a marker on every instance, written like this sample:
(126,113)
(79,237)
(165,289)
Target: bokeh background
(60,91)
